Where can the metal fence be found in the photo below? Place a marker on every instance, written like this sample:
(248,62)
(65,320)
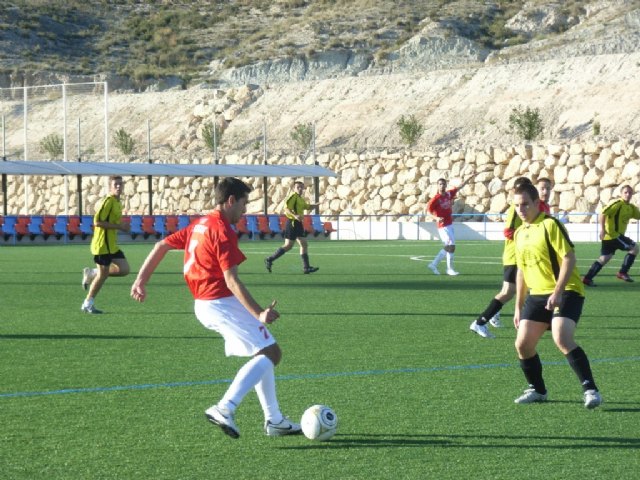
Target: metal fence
(66,108)
(582,227)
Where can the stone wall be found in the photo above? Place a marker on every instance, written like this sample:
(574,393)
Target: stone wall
(586,175)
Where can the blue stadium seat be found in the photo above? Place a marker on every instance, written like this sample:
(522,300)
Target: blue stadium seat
(274,225)
(318,227)
(86,226)
(60,227)
(159,226)
(9,228)
(183,221)
(34,226)
(252,226)
(135,226)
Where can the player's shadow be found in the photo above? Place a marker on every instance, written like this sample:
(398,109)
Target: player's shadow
(417,285)
(80,336)
(553,442)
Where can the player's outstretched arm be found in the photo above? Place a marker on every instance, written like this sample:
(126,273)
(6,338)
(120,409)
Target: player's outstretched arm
(464,182)
(138,290)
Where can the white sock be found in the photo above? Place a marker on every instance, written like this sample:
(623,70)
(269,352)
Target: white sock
(266,391)
(246,379)
(87,302)
(449,261)
(439,257)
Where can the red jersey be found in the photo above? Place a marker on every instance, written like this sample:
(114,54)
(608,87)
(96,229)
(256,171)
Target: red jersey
(544,207)
(442,206)
(211,247)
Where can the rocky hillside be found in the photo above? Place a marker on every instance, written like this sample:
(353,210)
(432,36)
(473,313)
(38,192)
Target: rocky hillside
(354,68)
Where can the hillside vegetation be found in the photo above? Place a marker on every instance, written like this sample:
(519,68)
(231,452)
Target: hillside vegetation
(154,39)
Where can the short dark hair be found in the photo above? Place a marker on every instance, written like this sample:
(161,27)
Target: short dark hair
(114,177)
(231,186)
(529,189)
(441,180)
(521,181)
(545,179)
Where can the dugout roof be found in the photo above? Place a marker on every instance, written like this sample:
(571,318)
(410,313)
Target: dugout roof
(30,167)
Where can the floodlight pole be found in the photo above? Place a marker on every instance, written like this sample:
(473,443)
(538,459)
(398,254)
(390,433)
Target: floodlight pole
(79,177)
(149,178)
(215,148)
(264,161)
(64,122)
(25,178)
(106,122)
(316,180)
(4,175)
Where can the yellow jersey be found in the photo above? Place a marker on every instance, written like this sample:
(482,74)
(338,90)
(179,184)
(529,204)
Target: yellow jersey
(540,248)
(106,240)
(297,205)
(618,213)
(512,221)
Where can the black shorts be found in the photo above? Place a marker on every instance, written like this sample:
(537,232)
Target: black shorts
(293,230)
(509,273)
(106,259)
(609,247)
(534,307)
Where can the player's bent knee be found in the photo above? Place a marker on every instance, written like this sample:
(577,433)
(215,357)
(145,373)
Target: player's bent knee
(273,353)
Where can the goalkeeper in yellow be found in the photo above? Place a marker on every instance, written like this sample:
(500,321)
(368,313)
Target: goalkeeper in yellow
(549,295)
(613,225)
(294,209)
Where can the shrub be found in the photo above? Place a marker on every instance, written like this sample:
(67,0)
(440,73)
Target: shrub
(302,135)
(410,130)
(526,123)
(211,135)
(124,141)
(52,144)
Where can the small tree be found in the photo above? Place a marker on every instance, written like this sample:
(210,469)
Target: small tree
(302,135)
(527,123)
(596,125)
(211,134)
(410,129)
(124,141)
(52,144)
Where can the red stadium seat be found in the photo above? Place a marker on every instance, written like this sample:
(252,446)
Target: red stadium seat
(171,223)
(241,227)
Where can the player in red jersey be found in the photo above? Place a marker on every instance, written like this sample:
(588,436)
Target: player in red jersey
(440,207)
(223,304)
(544,187)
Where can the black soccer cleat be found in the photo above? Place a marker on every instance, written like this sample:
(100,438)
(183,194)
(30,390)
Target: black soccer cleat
(311,270)
(268,263)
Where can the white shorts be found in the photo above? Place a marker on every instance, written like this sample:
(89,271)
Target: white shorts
(446,235)
(243,334)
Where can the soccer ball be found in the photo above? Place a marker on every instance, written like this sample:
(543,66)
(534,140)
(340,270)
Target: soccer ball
(319,423)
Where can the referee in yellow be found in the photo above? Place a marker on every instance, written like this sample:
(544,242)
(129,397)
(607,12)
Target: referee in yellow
(294,209)
(549,295)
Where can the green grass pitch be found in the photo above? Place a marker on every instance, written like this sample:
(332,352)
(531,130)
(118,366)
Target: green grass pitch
(373,334)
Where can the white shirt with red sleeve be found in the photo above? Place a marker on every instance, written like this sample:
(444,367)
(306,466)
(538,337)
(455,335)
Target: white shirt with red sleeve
(210,247)
(442,206)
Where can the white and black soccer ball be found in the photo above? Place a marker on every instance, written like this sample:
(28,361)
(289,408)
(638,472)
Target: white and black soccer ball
(319,422)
